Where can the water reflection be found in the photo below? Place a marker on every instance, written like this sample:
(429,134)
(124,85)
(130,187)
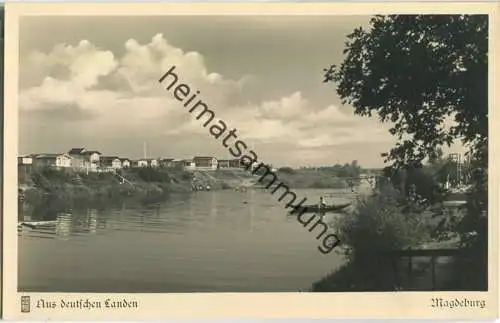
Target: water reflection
(207,241)
(251,209)
(173,216)
(63,226)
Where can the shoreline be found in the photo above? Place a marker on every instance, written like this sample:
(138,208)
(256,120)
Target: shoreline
(38,184)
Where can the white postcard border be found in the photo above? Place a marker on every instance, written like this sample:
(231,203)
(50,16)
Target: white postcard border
(244,305)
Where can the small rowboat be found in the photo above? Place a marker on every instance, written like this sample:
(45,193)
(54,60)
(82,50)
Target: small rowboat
(37,224)
(323,209)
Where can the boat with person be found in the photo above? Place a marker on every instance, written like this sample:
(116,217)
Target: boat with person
(314,208)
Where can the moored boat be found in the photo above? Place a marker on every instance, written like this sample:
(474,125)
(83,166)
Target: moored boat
(37,224)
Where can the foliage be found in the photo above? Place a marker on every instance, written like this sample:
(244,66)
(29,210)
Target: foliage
(418,72)
(380,223)
(186,176)
(150,174)
(417,182)
(383,73)
(265,168)
(347,170)
(53,174)
(40,181)
(415,71)
(225,186)
(286,170)
(326,183)
(358,277)
(352,170)
(62,184)
(311,178)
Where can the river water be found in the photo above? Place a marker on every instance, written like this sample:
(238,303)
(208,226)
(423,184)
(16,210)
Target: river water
(220,241)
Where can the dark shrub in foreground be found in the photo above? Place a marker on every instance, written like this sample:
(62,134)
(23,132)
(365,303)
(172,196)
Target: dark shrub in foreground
(379,224)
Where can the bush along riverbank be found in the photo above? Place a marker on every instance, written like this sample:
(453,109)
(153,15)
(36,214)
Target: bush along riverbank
(39,184)
(380,234)
(379,223)
(334,177)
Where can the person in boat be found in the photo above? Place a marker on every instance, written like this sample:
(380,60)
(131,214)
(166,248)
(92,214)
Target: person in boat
(322,202)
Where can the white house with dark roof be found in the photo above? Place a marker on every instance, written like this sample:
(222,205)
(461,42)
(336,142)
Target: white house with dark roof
(85,159)
(53,160)
(166,162)
(229,163)
(126,163)
(152,162)
(110,162)
(205,163)
(25,160)
(188,164)
(140,163)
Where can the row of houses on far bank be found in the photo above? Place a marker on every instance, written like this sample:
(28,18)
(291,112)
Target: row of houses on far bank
(95,161)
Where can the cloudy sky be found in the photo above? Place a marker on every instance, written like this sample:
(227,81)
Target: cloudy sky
(92,82)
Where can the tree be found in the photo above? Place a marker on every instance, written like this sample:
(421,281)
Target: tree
(436,156)
(419,72)
(377,226)
(286,170)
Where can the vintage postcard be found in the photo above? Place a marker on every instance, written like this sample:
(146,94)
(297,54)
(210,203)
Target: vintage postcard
(250,160)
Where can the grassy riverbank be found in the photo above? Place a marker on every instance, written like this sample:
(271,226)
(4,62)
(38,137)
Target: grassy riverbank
(39,184)
(326,178)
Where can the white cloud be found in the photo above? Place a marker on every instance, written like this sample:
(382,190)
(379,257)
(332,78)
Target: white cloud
(84,66)
(317,141)
(123,95)
(292,119)
(286,108)
(330,114)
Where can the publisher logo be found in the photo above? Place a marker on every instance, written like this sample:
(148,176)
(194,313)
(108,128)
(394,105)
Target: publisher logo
(25,304)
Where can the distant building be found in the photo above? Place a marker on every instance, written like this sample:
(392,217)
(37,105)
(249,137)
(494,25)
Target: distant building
(93,157)
(53,160)
(188,164)
(76,151)
(152,162)
(140,163)
(25,160)
(176,163)
(126,163)
(223,163)
(24,167)
(84,159)
(166,162)
(235,163)
(146,162)
(110,162)
(208,163)
(255,165)
(229,163)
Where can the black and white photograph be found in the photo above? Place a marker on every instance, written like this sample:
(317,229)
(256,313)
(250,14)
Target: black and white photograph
(126,186)
(253,154)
